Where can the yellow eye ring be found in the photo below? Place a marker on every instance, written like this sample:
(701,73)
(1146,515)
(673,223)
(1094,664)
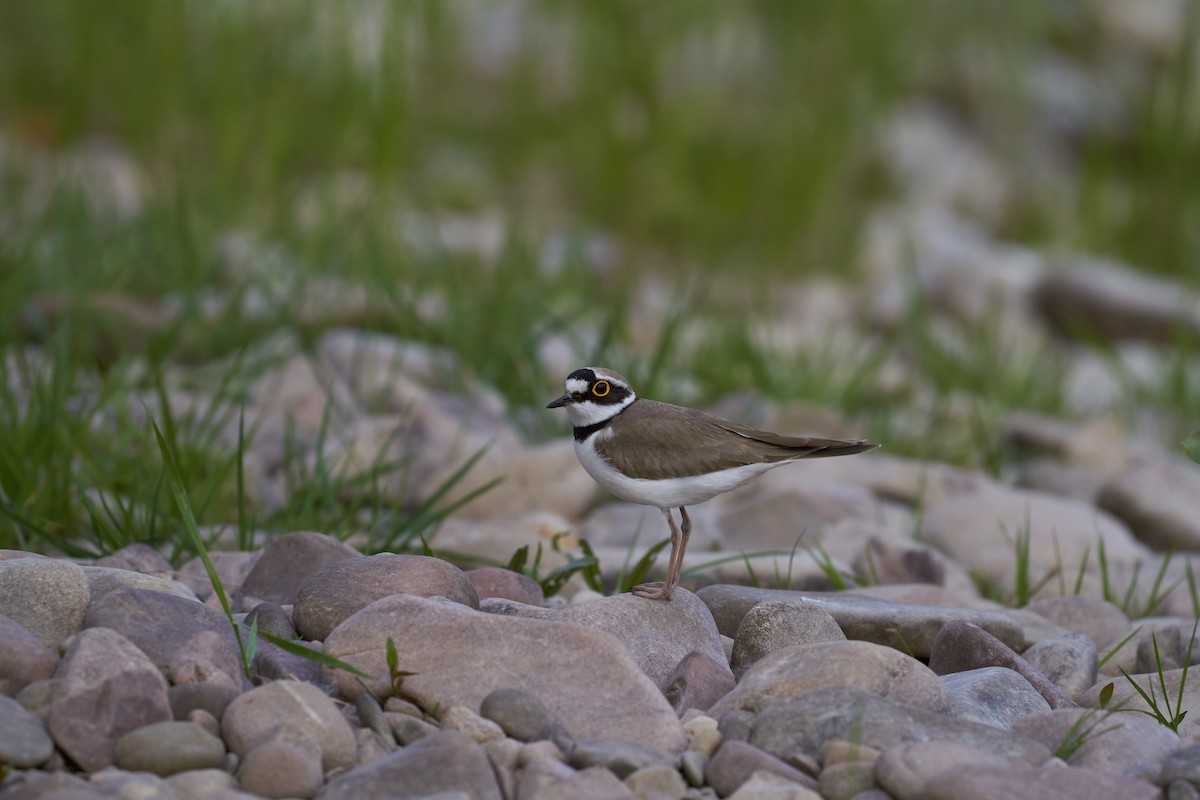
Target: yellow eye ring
(601,388)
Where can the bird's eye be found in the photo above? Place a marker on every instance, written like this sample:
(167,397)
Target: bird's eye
(601,388)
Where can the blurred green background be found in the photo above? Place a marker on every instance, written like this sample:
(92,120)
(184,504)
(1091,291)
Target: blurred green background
(494,173)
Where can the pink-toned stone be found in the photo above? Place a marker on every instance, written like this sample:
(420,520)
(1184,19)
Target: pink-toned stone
(112,688)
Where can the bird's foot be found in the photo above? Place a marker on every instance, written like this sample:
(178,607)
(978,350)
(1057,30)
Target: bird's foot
(652,591)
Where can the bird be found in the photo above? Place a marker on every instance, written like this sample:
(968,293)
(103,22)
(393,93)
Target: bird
(668,456)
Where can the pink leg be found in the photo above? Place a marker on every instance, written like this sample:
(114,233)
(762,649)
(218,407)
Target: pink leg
(655,591)
(679,540)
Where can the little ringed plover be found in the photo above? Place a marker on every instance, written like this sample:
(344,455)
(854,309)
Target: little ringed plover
(668,456)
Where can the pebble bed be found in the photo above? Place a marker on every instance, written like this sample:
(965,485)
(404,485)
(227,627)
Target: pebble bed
(930,675)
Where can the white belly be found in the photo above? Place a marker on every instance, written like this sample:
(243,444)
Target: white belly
(669,492)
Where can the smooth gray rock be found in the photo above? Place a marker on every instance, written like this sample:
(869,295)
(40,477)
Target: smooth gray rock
(1158,500)
(1069,661)
(211,697)
(903,626)
(698,682)
(734,763)
(658,635)
(24,658)
(119,783)
(794,670)
(1036,783)
(336,591)
(138,557)
(905,769)
(961,646)
(1181,765)
(804,724)
(298,711)
(46,596)
(995,696)
(584,676)
(24,742)
(166,748)
(1094,617)
(505,584)
(448,761)
(619,756)
(519,714)
(1117,743)
(772,624)
(232,568)
(281,768)
(270,618)
(287,563)
(1093,297)
(102,580)
(182,637)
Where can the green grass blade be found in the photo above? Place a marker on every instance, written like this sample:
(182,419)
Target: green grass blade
(175,482)
(316,656)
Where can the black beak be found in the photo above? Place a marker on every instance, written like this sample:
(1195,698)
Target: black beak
(559,401)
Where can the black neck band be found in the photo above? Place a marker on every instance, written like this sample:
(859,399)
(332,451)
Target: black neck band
(584,431)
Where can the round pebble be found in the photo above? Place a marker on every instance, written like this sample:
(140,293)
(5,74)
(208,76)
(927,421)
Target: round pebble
(519,714)
(281,769)
(165,748)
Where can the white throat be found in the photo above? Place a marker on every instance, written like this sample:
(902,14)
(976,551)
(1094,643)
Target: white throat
(588,412)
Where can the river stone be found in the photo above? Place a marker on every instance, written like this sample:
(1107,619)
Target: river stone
(804,724)
(202,784)
(232,568)
(138,557)
(619,756)
(111,688)
(449,761)
(905,769)
(1159,501)
(102,580)
(268,617)
(905,626)
(209,697)
(506,584)
(166,748)
(339,589)
(23,657)
(658,635)
(698,682)
(1094,617)
(993,695)
(296,711)
(520,714)
(47,596)
(1092,297)
(281,768)
(770,625)
(1069,661)
(1116,743)
(24,742)
(182,637)
(584,676)
(1050,782)
(961,646)
(287,563)
(977,531)
(735,762)
(795,670)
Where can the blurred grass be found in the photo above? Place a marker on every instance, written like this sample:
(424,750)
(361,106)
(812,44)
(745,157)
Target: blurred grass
(576,147)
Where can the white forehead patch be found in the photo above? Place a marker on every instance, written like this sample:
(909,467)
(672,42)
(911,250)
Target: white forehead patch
(576,385)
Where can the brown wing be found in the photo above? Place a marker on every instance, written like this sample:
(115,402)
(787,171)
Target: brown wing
(660,440)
